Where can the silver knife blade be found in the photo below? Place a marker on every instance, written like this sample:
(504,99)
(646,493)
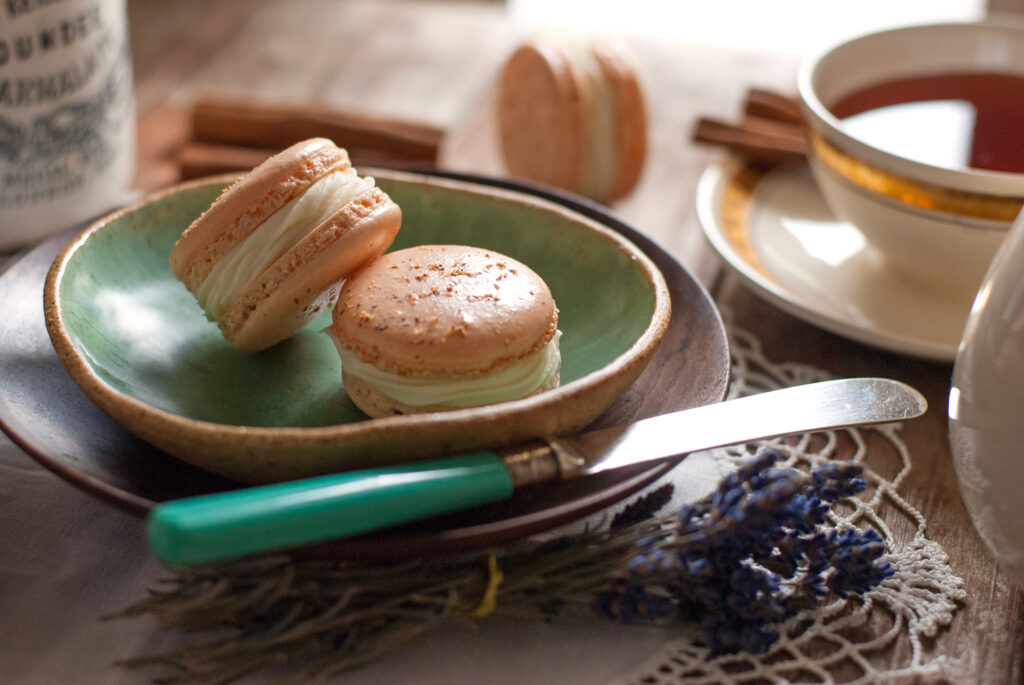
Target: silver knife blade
(283,515)
(801,409)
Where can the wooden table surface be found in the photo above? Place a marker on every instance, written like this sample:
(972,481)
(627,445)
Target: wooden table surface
(435,62)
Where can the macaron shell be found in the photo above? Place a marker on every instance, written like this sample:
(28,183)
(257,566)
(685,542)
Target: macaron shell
(544,102)
(377,405)
(542,121)
(630,114)
(305,280)
(444,310)
(249,202)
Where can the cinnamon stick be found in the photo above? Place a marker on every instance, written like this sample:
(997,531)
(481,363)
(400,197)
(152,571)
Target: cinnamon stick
(767,104)
(758,140)
(268,126)
(196,160)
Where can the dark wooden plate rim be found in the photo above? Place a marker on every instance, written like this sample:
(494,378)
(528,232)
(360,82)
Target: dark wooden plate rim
(461,532)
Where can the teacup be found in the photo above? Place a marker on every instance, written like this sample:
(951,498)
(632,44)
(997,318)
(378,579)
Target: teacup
(891,117)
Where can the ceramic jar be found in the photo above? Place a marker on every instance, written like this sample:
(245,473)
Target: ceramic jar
(986,407)
(67,119)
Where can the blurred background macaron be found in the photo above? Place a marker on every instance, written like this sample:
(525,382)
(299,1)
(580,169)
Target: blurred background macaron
(571,113)
(443,327)
(272,250)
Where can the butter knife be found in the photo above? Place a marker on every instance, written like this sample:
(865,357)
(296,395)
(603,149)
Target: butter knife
(231,524)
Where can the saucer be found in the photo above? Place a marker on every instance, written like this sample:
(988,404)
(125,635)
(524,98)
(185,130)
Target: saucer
(775,231)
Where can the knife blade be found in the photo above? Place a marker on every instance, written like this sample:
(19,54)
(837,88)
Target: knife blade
(226,525)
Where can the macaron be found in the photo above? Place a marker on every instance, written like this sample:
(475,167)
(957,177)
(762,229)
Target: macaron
(443,327)
(571,114)
(273,249)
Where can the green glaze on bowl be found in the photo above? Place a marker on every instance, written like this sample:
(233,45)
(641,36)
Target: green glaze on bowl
(138,344)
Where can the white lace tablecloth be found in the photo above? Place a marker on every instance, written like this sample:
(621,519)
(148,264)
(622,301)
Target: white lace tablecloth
(67,559)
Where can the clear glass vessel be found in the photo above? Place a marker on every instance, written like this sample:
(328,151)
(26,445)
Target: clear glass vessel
(986,407)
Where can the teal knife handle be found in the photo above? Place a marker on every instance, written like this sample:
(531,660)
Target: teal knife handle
(221,526)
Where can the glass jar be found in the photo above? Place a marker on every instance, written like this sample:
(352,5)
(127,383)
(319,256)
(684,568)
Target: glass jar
(986,407)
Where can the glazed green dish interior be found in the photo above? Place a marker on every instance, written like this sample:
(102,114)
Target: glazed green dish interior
(143,334)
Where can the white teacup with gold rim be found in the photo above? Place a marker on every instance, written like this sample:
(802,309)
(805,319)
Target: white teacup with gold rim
(917,138)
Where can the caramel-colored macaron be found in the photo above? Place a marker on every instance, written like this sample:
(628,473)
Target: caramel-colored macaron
(571,114)
(271,251)
(442,327)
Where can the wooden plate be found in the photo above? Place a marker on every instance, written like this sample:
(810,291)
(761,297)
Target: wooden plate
(49,416)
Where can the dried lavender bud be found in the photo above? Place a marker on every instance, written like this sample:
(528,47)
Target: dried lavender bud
(752,555)
(806,513)
(627,602)
(652,565)
(643,508)
(836,480)
(854,554)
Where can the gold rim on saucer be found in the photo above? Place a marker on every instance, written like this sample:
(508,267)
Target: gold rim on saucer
(908,191)
(739,213)
(737,200)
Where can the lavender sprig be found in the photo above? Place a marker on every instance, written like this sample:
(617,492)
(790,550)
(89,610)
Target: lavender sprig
(737,564)
(750,557)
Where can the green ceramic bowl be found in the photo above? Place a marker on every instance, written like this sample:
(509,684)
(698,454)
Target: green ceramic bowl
(136,342)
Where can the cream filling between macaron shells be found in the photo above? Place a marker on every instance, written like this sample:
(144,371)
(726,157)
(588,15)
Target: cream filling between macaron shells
(601,169)
(511,382)
(275,236)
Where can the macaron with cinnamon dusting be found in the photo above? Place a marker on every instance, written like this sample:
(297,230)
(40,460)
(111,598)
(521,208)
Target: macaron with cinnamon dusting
(571,114)
(272,250)
(442,327)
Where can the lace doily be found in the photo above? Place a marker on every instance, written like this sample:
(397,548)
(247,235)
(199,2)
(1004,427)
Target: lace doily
(875,638)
